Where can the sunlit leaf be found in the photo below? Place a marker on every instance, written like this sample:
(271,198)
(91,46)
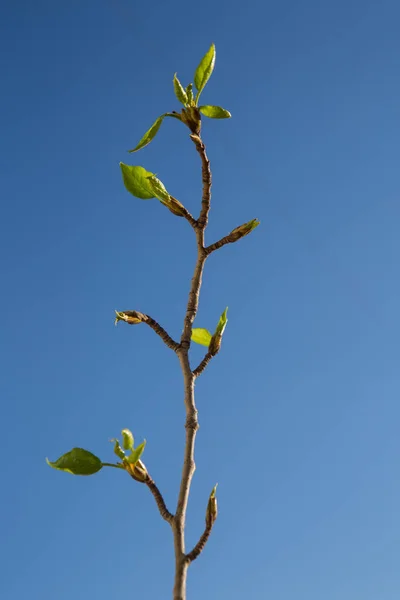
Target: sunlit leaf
(189,92)
(136,181)
(158,189)
(149,135)
(222,323)
(77,462)
(136,453)
(204,70)
(214,112)
(201,336)
(127,439)
(180,92)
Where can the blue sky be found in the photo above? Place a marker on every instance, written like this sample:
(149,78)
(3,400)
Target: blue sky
(299,412)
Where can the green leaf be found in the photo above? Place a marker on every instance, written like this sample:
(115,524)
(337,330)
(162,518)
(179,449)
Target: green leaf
(117,449)
(214,112)
(136,453)
(222,323)
(204,70)
(158,189)
(136,181)
(127,439)
(189,92)
(77,462)
(180,92)
(201,336)
(149,135)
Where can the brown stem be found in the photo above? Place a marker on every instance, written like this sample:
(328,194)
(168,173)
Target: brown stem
(199,547)
(198,370)
(207,181)
(164,512)
(186,214)
(191,424)
(228,239)
(167,339)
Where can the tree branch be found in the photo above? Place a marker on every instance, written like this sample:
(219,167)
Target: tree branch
(228,239)
(186,214)
(198,370)
(207,181)
(167,339)
(199,547)
(164,512)
(191,424)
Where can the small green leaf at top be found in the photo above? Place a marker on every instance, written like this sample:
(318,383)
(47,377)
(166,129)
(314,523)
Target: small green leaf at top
(214,112)
(136,453)
(136,181)
(204,70)
(149,135)
(201,336)
(77,462)
(127,439)
(222,323)
(180,91)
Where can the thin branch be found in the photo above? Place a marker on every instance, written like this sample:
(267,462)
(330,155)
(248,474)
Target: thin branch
(198,370)
(164,512)
(186,214)
(167,339)
(207,180)
(199,547)
(228,239)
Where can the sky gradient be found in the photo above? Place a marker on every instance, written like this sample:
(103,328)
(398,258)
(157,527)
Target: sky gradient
(299,412)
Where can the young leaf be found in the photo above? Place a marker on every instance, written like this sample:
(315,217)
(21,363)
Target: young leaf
(204,70)
(136,453)
(158,189)
(77,462)
(149,135)
(180,92)
(136,181)
(117,449)
(189,92)
(127,439)
(214,112)
(222,323)
(201,336)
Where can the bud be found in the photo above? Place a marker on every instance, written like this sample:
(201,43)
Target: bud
(192,118)
(216,340)
(244,229)
(132,317)
(138,471)
(215,344)
(212,508)
(175,207)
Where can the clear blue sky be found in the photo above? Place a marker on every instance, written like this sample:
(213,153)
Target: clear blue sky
(300,411)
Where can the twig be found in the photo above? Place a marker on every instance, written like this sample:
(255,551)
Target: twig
(199,547)
(228,239)
(167,339)
(186,214)
(207,180)
(198,370)
(164,512)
